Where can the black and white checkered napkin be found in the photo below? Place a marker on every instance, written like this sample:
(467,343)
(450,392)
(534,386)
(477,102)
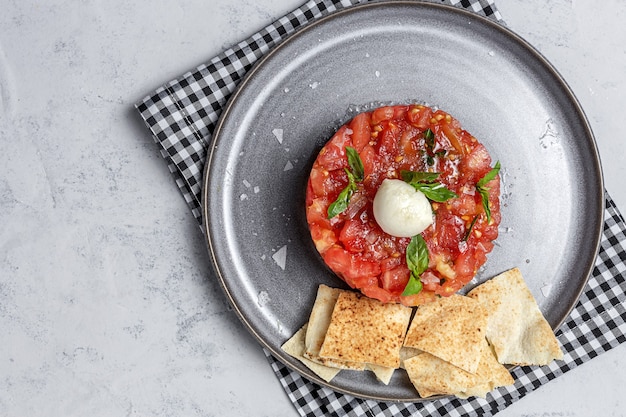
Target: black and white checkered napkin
(182,115)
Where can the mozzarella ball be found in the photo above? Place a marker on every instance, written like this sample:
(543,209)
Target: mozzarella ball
(400,210)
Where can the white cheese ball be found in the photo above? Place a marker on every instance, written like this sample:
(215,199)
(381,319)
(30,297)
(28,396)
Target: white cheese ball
(401,210)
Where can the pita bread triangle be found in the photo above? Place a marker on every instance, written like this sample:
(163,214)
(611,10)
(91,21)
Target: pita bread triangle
(295,347)
(364,330)
(516,328)
(450,328)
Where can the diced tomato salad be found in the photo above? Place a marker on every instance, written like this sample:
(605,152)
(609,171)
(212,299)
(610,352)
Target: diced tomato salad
(388,140)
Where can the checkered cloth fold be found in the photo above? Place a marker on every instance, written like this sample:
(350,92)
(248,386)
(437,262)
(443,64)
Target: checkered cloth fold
(182,115)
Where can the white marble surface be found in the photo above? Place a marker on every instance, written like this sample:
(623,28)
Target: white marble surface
(105,308)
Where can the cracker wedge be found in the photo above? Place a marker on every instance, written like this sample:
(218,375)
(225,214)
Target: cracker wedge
(450,328)
(489,375)
(433,376)
(318,323)
(383,373)
(319,319)
(364,330)
(393,319)
(295,347)
(516,328)
(407,353)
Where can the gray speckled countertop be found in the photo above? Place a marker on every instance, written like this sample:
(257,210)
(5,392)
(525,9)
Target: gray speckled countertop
(105,308)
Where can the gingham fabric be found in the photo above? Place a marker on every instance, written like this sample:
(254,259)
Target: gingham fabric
(182,115)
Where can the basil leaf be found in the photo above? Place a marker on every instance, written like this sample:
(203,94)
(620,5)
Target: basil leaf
(489,176)
(424,182)
(356,165)
(484,196)
(484,191)
(355,174)
(414,286)
(469,229)
(342,201)
(435,191)
(429,138)
(417,255)
(417,262)
(414,176)
(351,178)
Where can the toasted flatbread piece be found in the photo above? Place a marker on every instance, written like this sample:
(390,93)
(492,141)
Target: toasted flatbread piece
(407,353)
(450,328)
(489,375)
(383,373)
(516,329)
(295,347)
(364,330)
(433,376)
(319,319)
(339,364)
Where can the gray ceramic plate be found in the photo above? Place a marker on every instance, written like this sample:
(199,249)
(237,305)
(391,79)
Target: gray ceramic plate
(499,88)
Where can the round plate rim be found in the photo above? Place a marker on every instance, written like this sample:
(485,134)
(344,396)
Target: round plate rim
(206,223)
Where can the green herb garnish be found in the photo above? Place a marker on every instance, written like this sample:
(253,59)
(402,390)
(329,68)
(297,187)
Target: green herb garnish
(413,177)
(343,199)
(425,183)
(356,165)
(469,229)
(429,138)
(484,191)
(429,141)
(417,262)
(355,174)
